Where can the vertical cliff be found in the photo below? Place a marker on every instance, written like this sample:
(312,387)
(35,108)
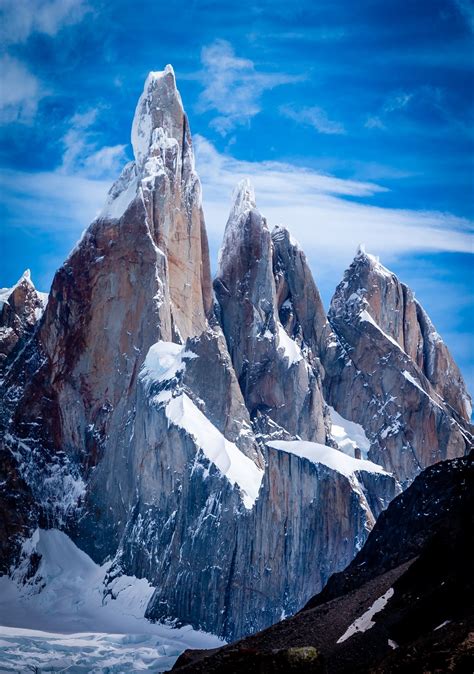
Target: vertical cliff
(276,365)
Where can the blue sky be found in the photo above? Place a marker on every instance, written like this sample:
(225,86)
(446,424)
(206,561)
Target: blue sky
(354,121)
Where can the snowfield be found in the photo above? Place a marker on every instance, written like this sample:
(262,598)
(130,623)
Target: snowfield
(61,619)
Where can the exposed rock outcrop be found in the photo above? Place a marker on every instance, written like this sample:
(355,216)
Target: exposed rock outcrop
(389,371)
(20,309)
(276,365)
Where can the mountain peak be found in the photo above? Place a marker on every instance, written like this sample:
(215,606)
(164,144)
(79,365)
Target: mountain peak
(159,106)
(372,262)
(243,198)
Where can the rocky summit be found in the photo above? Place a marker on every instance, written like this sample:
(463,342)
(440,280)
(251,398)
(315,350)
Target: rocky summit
(225,440)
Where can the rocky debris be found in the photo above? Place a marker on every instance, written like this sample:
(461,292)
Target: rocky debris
(403,605)
(21,307)
(279,374)
(382,373)
(303,659)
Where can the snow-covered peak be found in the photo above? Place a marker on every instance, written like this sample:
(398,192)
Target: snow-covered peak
(243,203)
(159,106)
(25,278)
(161,143)
(243,199)
(372,261)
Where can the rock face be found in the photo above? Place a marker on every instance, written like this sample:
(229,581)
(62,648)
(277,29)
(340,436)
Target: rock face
(20,309)
(389,371)
(276,365)
(189,439)
(412,580)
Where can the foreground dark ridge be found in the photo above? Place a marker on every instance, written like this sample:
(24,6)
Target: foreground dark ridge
(418,559)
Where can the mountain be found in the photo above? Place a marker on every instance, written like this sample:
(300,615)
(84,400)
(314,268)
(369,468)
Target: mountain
(404,604)
(275,361)
(390,371)
(20,308)
(218,440)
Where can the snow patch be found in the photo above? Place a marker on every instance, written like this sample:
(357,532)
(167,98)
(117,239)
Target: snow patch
(365,316)
(443,624)
(122,193)
(348,434)
(290,348)
(225,455)
(374,260)
(416,383)
(365,621)
(327,456)
(163,362)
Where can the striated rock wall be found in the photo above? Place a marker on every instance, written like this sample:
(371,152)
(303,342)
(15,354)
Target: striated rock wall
(279,374)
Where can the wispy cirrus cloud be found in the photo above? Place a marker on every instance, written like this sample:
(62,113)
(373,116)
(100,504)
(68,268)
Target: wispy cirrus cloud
(19,19)
(233,86)
(83,155)
(313,116)
(399,102)
(330,216)
(20,92)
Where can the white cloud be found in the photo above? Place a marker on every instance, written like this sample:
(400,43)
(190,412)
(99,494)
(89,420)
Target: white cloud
(21,18)
(20,92)
(397,101)
(82,156)
(51,201)
(71,196)
(233,86)
(328,215)
(315,117)
(321,211)
(374,123)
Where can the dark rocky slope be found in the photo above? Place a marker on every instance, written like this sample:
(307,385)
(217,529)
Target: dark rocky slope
(418,558)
